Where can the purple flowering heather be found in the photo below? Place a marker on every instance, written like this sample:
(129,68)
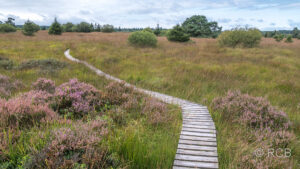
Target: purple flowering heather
(7,86)
(255,112)
(44,85)
(78,98)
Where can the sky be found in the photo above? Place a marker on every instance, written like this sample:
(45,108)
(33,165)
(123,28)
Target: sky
(262,14)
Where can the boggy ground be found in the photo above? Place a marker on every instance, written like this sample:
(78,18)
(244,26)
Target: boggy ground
(57,125)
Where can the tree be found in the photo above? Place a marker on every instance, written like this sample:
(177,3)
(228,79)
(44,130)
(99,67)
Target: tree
(278,37)
(10,21)
(7,28)
(142,39)
(55,28)
(107,28)
(68,27)
(198,26)
(92,27)
(30,28)
(84,27)
(177,34)
(148,29)
(157,31)
(98,28)
(295,32)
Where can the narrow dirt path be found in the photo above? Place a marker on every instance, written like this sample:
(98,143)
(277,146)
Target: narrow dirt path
(197,147)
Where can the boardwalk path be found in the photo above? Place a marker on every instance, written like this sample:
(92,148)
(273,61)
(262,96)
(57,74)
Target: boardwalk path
(197,147)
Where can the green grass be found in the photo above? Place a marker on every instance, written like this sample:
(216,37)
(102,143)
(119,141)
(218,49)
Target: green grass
(137,143)
(202,71)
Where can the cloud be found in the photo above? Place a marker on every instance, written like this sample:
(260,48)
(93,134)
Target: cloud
(143,13)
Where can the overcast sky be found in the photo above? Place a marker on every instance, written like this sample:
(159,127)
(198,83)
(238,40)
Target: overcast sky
(263,14)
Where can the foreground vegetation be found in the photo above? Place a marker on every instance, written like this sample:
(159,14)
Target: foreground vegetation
(59,121)
(202,71)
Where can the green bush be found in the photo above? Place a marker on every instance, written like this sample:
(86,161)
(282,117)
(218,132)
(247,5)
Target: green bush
(240,37)
(7,28)
(289,39)
(278,37)
(5,63)
(177,34)
(108,28)
(55,28)
(148,29)
(142,39)
(30,28)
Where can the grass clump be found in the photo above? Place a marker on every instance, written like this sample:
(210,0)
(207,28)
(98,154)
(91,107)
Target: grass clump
(178,34)
(6,63)
(45,65)
(142,39)
(240,37)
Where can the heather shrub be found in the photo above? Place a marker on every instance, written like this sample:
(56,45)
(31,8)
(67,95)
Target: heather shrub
(254,112)
(7,86)
(155,111)
(76,146)
(142,39)
(240,37)
(5,63)
(38,97)
(45,65)
(178,34)
(22,113)
(76,99)
(117,93)
(44,85)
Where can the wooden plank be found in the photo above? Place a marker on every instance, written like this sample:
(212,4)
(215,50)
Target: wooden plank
(197,126)
(200,143)
(198,130)
(197,120)
(189,133)
(197,153)
(194,147)
(195,164)
(197,138)
(196,158)
(199,123)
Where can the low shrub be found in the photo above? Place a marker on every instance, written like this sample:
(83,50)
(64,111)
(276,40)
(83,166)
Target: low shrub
(5,63)
(45,65)
(79,146)
(22,113)
(178,34)
(76,99)
(117,93)
(38,97)
(254,112)
(5,28)
(142,39)
(7,86)
(148,29)
(278,37)
(155,111)
(260,125)
(289,39)
(44,85)
(240,37)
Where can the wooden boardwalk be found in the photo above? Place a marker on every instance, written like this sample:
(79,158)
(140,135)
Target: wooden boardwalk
(197,147)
